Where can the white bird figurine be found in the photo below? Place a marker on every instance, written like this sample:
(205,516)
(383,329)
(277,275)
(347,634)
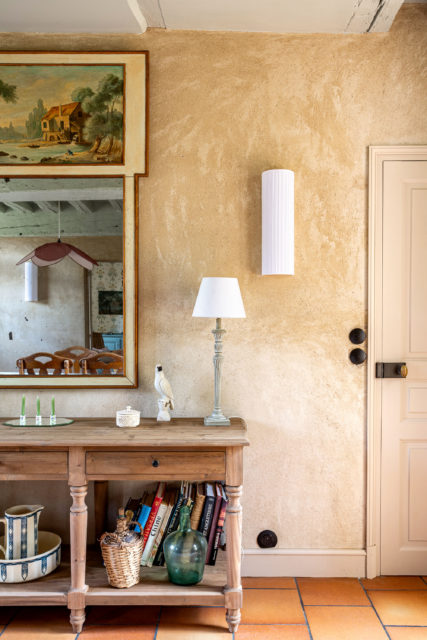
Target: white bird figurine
(163,387)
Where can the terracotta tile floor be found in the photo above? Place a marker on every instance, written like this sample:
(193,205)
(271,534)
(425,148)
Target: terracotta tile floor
(274,609)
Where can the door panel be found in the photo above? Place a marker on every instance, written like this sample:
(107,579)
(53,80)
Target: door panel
(404,401)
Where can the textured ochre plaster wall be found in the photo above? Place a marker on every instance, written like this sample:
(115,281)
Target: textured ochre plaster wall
(223,108)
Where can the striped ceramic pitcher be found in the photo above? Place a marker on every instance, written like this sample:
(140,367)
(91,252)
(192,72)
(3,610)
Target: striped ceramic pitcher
(21,531)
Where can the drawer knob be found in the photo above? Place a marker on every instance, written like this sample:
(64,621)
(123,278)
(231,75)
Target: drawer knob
(155,463)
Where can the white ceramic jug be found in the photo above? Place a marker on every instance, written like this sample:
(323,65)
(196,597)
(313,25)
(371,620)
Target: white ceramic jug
(21,531)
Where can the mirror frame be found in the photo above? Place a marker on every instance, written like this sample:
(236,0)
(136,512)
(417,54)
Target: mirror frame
(129,379)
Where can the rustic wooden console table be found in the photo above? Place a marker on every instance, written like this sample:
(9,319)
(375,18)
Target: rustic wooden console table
(95,449)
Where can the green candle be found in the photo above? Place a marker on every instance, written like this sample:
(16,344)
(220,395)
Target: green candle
(23,406)
(38,406)
(52,412)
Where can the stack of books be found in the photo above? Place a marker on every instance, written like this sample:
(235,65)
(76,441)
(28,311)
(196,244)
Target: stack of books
(156,515)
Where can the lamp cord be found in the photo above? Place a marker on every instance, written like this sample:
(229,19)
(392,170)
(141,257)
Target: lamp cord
(59,221)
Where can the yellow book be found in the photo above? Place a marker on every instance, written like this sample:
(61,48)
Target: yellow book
(198,507)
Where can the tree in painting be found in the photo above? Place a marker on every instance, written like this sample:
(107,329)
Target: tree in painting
(105,120)
(34,122)
(7,92)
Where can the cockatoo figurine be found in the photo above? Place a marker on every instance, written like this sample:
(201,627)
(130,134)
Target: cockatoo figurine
(163,387)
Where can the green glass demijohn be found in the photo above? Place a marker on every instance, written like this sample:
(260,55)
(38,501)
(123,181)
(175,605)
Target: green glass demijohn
(185,552)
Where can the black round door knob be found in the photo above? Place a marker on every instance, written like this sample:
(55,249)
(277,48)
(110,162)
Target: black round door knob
(357,336)
(155,463)
(357,356)
(266,539)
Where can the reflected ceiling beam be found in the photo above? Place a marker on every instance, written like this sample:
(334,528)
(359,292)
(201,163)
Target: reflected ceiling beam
(80,206)
(25,207)
(61,194)
(47,206)
(116,205)
(103,220)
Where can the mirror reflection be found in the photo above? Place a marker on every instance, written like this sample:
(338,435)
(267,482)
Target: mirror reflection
(61,285)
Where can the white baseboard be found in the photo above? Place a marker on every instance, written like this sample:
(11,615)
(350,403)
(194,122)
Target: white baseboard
(316,563)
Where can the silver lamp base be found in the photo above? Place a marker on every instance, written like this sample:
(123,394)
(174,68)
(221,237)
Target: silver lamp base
(217,420)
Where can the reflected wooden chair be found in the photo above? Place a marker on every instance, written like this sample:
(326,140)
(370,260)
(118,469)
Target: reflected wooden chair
(97,340)
(43,364)
(105,363)
(75,354)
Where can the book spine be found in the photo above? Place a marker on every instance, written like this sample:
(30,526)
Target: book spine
(153,533)
(197,511)
(143,516)
(153,513)
(173,525)
(219,528)
(159,536)
(206,519)
(213,526)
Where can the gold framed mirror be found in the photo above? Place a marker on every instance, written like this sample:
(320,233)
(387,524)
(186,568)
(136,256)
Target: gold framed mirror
(68,284)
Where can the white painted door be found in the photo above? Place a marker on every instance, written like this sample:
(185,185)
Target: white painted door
(404,339)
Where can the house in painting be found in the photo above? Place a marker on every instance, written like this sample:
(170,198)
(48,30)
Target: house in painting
(64,123)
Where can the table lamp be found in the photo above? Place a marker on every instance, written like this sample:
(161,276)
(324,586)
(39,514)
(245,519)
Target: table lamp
(218,298)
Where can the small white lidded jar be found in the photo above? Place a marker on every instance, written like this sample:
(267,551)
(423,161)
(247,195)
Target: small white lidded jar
(128,417)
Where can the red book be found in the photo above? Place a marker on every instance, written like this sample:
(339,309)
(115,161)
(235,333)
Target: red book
(219,527)
(154,509)
(212,532)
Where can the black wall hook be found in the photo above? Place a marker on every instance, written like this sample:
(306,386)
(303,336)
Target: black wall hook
(357,336)
(357,356)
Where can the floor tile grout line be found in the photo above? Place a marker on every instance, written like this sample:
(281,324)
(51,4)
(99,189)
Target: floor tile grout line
(373,607)
(157,623)
(272,624)
(408,626)
(270,588)
(303,609)
(359,606)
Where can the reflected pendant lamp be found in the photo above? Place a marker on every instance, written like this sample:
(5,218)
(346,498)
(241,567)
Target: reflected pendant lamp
(53,252)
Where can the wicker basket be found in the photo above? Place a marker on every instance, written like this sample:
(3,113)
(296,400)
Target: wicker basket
(121,552)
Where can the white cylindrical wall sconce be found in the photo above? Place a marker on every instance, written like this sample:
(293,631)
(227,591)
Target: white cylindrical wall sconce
(278,222)
(31,293)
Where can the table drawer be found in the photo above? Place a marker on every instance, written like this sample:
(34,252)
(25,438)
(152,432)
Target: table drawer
(162,465)
(22,465)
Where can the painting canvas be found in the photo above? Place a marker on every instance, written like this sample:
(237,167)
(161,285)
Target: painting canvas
(73,109)
(106,297)
(61,114)
(110,303)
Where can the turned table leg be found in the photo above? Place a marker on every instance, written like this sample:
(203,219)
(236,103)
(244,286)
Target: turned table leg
(233,590)
(78,533)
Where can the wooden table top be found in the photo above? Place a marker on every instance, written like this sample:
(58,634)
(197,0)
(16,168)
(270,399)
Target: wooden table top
(103,432)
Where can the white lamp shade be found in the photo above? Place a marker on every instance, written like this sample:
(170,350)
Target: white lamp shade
(31,291)
(219,298)
(278,222)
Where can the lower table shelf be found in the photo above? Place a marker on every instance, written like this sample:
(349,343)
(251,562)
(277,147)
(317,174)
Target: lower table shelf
(51,590)
(154,587)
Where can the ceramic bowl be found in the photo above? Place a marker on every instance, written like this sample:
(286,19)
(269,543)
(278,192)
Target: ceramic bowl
(26,569)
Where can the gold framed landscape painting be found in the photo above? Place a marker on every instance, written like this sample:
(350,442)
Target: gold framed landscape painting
(74,110)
